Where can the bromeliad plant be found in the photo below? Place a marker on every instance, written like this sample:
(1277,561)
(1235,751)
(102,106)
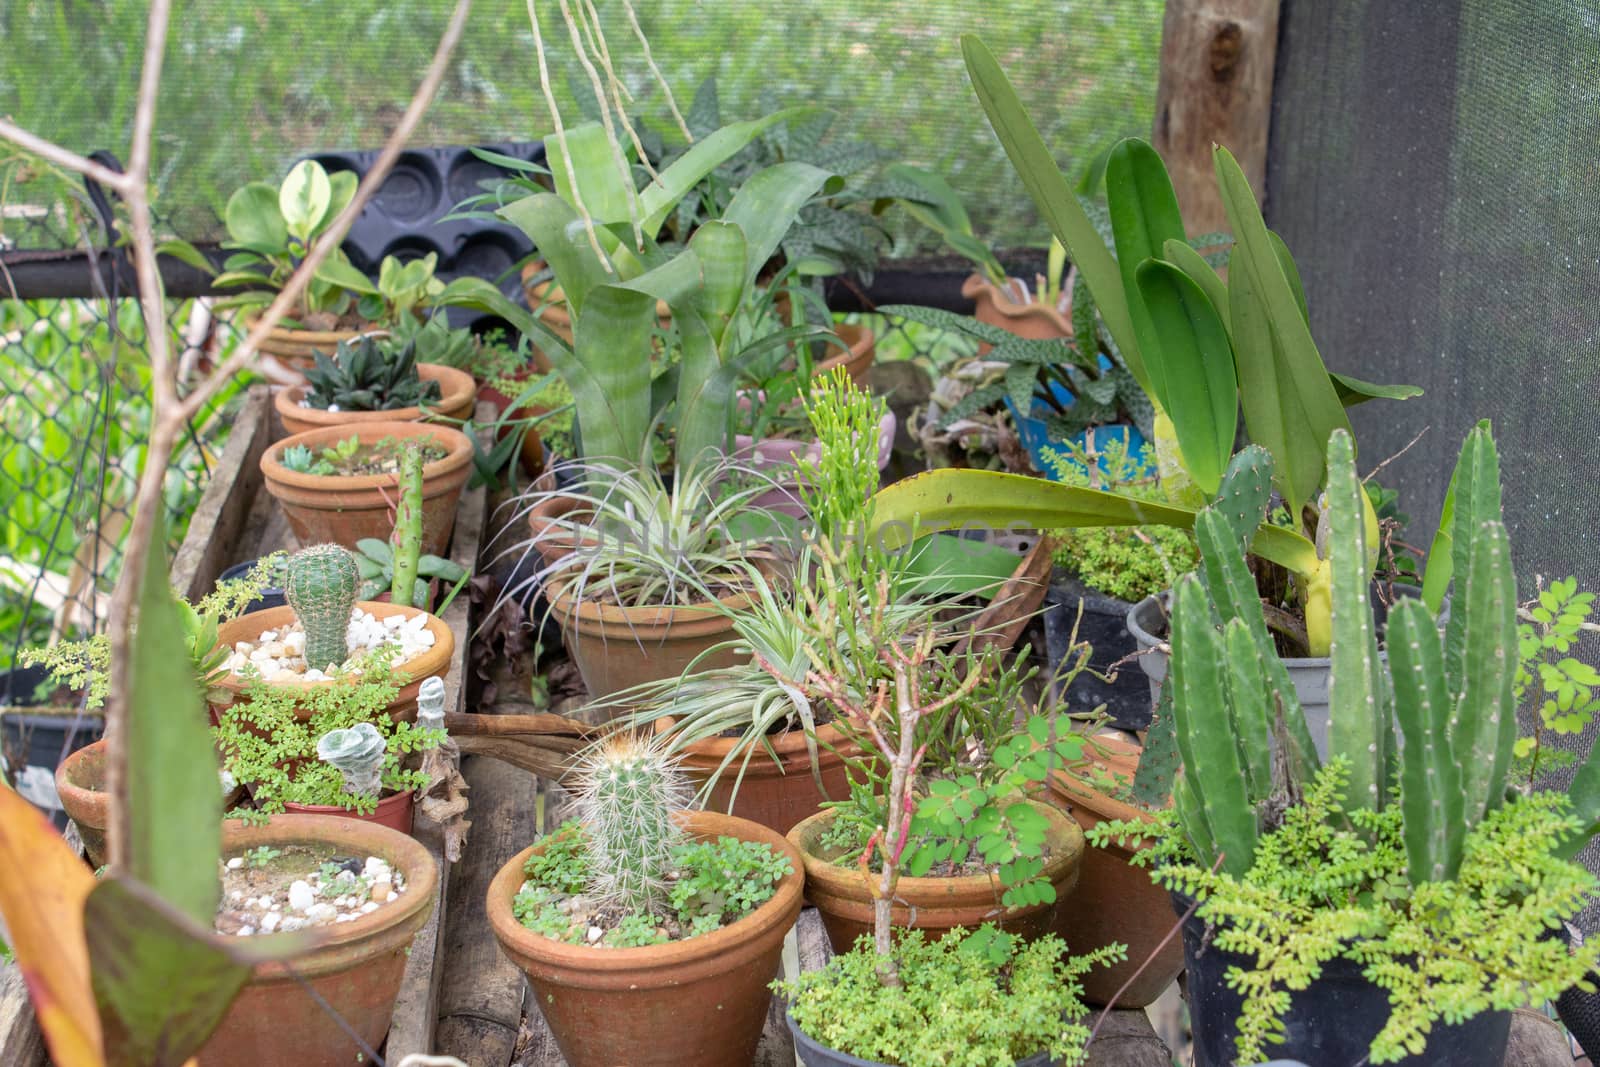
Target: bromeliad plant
(1405,853)
(1199,347)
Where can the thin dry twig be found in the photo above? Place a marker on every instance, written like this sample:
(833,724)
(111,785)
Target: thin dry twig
(644,45)
(606,122)
(1374,472)
(561,138)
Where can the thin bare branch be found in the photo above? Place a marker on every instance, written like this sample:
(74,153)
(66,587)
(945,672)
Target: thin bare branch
(561,137)
(54,153)
(618,159)
(597,41)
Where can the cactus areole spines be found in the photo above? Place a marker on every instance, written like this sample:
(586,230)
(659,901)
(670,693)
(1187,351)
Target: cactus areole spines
(321,586)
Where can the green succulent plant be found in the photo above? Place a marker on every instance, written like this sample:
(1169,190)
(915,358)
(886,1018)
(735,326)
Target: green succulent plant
(369,374)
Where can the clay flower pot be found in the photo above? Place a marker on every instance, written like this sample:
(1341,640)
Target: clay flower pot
(81,784)
(856,357)
(775,794)
(996,308)
(457,397)
(1116,901)
(435,662)
(295,349)
(396,811)
(701,1001)
(936,905)
(356,967)
(617,647)
(345,508)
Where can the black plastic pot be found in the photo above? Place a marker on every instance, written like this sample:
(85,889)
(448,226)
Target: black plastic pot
(35,741)
(813,1054)
(271,597)
(1104,625)
(1331,1023)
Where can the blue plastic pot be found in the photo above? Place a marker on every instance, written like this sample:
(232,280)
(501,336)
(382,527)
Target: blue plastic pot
(1036,436)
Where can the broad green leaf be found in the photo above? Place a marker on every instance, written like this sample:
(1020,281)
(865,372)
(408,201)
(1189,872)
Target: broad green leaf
(162,981)
(1291,274)
(1144,217)
(708,153)
(1289,402)
(559,237)
(1192,263)
(1353,391)
(339,271)
(722,252)
(953,565)
(42,895)
(186,253)
(951,498)
(173,803)
(254,220)
(611,391)
(304,197)
(766,206)
(342,185)
(1053,195)
(1187,349)
(605,187)
(941,210)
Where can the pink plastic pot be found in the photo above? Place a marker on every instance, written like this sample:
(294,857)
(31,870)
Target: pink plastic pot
(778,457)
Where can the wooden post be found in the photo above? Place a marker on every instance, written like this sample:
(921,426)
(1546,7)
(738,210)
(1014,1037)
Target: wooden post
(1216,88)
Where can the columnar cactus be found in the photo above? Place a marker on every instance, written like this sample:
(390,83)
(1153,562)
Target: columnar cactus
(321,587)
(407,537)
(357,754)
(626,791)
(1451,700)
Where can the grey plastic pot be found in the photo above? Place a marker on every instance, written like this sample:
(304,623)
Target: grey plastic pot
(1309,675)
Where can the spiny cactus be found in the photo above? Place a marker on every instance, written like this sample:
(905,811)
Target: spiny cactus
(1456,716)
(357,754)
(320,586)
(408,529)
(626,790)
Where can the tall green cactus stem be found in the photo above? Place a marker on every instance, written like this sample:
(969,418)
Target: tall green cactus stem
(626,791)
(407,536)
(1358,729)
(1158,761)
(1483,727)
(1474,500)
(320,586)
(1206,735)
(1252,706)
(1431,799)
(1246,487)
(1233,590)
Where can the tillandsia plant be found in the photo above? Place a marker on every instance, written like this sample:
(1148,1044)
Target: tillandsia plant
(1199,347)
(1410,822)
(271,739)
(624,873)
(83,665)
(320,584)
(369,374)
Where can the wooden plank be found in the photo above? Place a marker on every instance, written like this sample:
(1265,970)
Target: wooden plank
(1217,60)
(416,1012)
(21,1044)
(234,487)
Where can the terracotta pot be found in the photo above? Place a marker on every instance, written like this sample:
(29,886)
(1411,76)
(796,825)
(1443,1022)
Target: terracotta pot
(395,811)
(295,349)
(457,397)
(775,794)
(857,355)
(81,783)
(618,647)
(345,508)
(1116,901)
(778,459)
(550,539)
(435,662)
(700,1001)
(936,905)
(995,308)
(550,306)
(355,967)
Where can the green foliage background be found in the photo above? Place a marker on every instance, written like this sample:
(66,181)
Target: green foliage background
(249,86)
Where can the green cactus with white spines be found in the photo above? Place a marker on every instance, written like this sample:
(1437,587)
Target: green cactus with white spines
(1450,700)
(321,585)
(626,790)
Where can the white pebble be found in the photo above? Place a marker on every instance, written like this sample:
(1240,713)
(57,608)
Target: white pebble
(291,923)
(369,907)
(235,863)
(236,896)
(595,934)
(246,931)
(270,922)
(301,896)
(320,912)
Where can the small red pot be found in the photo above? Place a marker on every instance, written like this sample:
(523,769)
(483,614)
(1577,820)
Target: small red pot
(395,811)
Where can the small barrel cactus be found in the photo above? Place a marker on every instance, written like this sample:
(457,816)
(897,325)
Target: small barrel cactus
(430,704)
(356,753)
(626,790)
(321,586)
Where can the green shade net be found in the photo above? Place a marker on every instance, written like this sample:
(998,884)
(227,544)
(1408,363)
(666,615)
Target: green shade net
(251,86)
